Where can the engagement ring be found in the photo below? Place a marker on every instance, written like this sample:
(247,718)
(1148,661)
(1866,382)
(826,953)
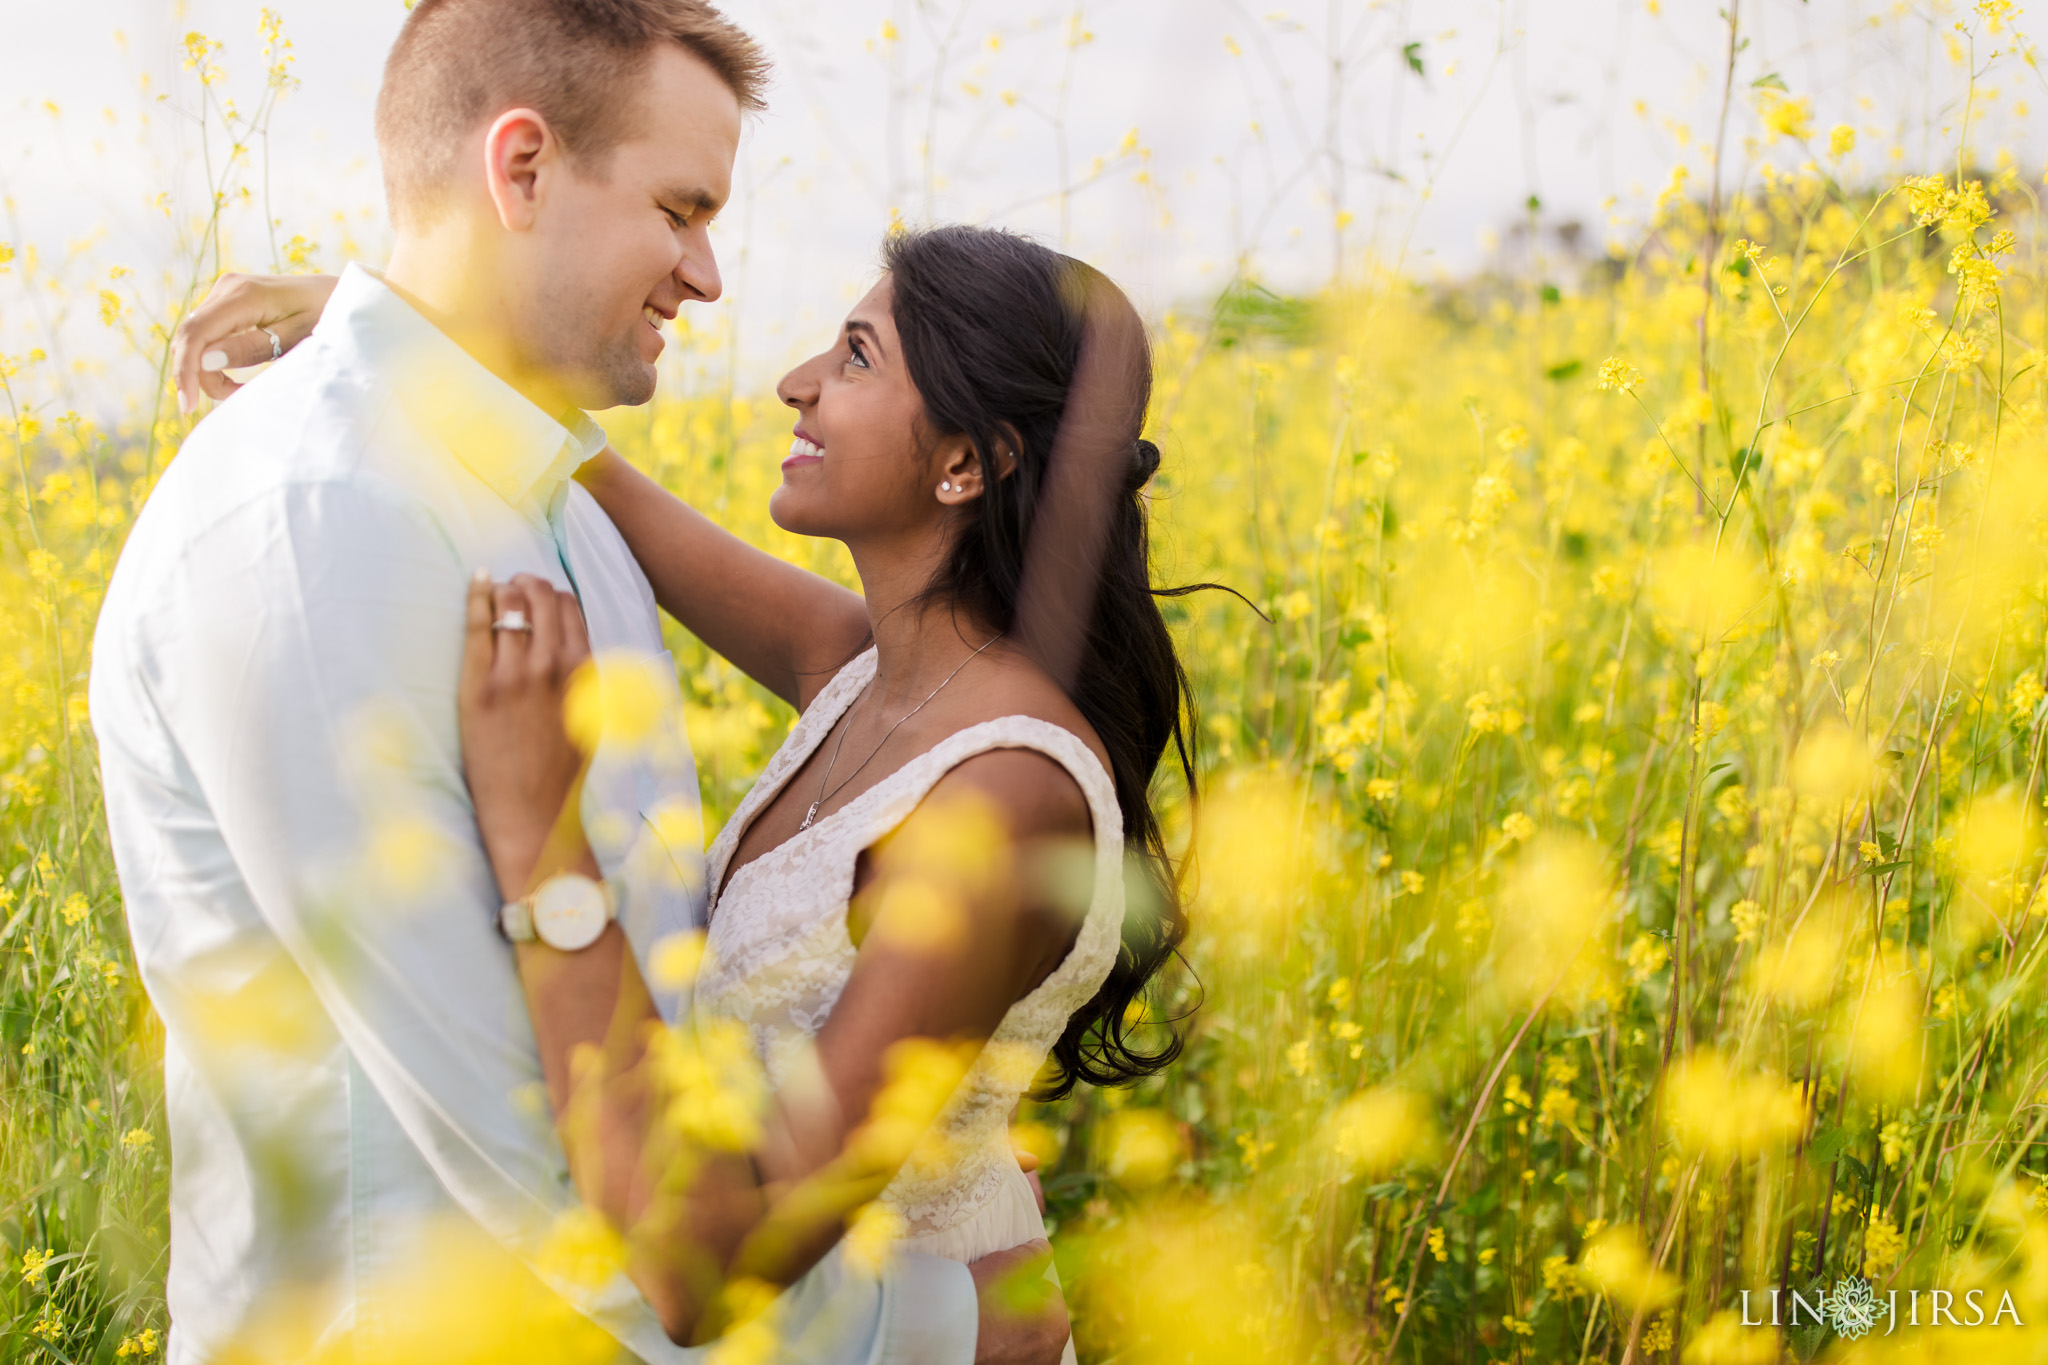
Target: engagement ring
(276,346)
(513,620)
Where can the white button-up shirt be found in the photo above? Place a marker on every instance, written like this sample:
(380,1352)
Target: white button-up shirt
(351,1077)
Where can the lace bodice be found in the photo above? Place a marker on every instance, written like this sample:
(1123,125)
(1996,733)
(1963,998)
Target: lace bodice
(779,954)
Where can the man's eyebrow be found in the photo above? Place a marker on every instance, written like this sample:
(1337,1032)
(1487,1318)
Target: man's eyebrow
(693,197)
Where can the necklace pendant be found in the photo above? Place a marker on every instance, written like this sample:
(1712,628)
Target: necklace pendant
(809,816)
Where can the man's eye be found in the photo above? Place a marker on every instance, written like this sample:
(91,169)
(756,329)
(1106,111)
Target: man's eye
(676,219)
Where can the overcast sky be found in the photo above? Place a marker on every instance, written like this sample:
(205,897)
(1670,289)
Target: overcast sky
(1190,137)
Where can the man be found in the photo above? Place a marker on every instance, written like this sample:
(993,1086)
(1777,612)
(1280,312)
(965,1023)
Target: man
(361,1150)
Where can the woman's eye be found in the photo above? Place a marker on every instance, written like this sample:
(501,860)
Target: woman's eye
(855,355)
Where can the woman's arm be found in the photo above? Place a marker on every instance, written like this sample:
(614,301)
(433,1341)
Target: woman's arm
(786,628)
(232,327)
(936,971)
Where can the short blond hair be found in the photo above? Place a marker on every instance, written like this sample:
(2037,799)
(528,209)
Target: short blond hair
(458,62)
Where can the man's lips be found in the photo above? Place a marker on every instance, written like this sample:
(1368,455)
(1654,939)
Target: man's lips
(654,317)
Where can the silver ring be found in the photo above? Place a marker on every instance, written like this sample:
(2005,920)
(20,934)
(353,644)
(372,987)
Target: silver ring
(276,346)
(513,620)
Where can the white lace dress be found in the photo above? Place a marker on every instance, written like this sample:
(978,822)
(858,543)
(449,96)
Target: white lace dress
(779,957)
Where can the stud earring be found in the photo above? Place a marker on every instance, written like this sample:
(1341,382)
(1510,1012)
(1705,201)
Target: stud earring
(946,487)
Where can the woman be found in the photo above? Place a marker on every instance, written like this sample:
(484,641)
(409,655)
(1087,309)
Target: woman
(902,871)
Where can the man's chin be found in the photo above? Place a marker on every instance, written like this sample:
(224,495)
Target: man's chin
(625,385)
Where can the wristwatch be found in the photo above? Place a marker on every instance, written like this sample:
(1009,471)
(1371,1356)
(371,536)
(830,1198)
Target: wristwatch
(567,911)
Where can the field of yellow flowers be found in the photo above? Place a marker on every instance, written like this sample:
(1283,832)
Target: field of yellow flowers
(1618,883)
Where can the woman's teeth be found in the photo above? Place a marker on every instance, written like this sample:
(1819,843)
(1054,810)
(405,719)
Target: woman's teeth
(800,446)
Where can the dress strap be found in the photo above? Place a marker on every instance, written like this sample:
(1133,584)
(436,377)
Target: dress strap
(809,731)
(889,802)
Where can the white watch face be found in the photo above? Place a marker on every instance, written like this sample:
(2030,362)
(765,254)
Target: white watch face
(570,911)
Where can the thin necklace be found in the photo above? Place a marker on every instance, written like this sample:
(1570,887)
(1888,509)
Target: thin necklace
(833,762)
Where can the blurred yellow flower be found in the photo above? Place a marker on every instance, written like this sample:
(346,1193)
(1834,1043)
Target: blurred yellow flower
(1882,1243)
(1556,896)
(1616,1264)
(1618,376)
(676,959)
(1143,1147)
(1715,1109)
(137,1345)
(619,697)
(872,1236)
(1785,116)
(1379,1130)
(583,1249)
(712,1086)
(1832,764)
(1725,1339)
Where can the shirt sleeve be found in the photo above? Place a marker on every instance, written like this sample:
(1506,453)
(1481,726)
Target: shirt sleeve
(305,658)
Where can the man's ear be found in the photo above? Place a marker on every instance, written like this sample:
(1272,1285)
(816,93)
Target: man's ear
(520,150)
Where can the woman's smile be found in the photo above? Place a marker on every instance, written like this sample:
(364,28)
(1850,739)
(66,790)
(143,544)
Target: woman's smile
(803,451)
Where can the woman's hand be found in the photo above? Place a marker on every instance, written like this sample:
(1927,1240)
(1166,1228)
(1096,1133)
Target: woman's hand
(225,331)
(524,771)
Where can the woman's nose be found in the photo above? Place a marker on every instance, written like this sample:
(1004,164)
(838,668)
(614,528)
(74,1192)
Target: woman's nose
(799,388)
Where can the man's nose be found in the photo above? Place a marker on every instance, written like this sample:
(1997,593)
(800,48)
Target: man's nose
(697,271)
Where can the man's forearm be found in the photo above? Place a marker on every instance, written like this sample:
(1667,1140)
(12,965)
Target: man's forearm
(591,1020)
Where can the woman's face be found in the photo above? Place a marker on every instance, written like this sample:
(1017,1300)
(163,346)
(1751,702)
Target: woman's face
(856,470)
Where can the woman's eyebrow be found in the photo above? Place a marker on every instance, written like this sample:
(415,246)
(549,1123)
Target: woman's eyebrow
(858,325)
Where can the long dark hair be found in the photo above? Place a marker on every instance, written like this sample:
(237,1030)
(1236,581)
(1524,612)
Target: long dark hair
(992,328)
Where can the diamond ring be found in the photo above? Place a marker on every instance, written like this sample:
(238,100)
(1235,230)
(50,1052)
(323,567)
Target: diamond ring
(276,346)
(513,620)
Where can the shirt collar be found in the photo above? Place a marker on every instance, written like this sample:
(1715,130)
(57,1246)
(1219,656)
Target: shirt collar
(523,454)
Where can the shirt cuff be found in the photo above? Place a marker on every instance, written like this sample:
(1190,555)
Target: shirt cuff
(932,1313)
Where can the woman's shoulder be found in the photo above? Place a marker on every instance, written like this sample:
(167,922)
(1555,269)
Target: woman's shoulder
(1030,751)
(1018,687)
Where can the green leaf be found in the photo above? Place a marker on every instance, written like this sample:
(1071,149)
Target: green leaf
(1770,80)
(1742,465)
(1413,53)
(1481,1202)
(1828,1146)
(1565,370)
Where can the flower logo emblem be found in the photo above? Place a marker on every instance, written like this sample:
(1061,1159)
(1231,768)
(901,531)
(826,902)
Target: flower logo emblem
(1853,1308)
